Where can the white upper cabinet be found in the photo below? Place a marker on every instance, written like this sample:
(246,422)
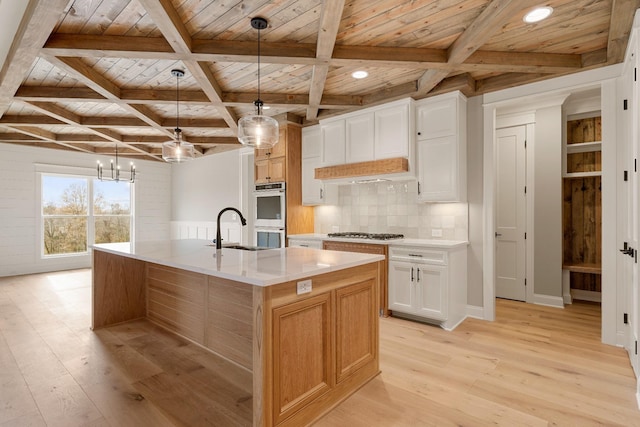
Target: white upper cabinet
(392,137)
(313,190)
(333,143)
(375,133)
(441,148)
(436,117)
(359,143)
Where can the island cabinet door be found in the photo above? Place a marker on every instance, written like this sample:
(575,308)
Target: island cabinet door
(302,365)
(356,334)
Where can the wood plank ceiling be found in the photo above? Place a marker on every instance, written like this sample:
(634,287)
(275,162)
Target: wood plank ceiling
(86,75)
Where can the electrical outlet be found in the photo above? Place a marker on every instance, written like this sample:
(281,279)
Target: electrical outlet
(304,287)
(436,232)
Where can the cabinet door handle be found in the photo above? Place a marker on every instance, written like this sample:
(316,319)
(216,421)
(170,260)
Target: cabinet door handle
(418,187)
(418,277)
(412,274)
(321,193)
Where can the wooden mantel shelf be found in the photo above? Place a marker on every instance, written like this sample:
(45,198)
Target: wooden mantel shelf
(374,167)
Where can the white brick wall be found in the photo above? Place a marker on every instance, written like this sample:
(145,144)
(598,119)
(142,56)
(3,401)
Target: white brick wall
(19,192)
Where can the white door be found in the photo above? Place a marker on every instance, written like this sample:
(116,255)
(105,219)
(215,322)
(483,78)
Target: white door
(630,204)
(511,213)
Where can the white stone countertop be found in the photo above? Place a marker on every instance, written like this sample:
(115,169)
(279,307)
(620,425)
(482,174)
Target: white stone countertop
(427,243)
(259,268)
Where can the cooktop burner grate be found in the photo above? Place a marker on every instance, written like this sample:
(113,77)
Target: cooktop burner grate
(372,236)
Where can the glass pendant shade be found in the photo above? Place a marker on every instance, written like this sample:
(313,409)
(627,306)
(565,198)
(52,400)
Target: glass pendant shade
(258,131)
(177,150)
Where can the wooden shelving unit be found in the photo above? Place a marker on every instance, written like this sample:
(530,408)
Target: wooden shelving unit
(582,204)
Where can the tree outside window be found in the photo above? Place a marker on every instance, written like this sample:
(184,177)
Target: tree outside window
(77,212)
(112,211)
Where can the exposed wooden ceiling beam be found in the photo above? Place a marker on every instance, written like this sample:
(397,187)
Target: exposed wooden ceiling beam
(106,88)
(622,13)
(173,29)
(279,53)
(327,33)
(147,96)
(70,118)
(40,18)
(110,122)
(200,140)
(494,16)
(41,120)
(41,134)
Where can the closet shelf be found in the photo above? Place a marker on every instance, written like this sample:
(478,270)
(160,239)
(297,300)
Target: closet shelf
(581,174)
(584,147)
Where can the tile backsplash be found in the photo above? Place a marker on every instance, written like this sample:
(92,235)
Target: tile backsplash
(392,207)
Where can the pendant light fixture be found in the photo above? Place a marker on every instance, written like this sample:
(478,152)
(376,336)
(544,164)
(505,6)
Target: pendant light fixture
(115,171)
(257,130)
(177,150)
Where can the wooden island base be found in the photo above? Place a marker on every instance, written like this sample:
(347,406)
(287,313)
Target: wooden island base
(306,353)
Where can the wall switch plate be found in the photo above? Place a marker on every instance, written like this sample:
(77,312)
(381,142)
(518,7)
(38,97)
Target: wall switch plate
(436,232)
(304,287)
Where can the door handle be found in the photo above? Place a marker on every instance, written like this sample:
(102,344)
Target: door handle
(418,275)
(412,274)
(628,251)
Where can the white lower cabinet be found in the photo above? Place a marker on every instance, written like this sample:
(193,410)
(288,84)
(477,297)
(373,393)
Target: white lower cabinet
(418,289)
(305,243)
(428,284)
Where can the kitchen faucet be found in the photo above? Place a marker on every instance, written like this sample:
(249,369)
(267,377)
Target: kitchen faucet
(218,236)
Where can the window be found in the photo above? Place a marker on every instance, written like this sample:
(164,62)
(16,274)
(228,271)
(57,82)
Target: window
(79,211)
(111,211)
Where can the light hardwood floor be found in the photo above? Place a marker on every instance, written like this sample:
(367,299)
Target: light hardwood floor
(532,366)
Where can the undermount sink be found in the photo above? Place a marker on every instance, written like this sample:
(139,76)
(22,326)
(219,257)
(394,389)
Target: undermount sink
(243,247)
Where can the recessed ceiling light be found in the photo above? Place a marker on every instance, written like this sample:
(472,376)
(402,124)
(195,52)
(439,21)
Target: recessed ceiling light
(359,74)
(538,14)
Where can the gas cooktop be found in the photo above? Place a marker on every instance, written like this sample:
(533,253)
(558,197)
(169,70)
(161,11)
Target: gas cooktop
(371,236)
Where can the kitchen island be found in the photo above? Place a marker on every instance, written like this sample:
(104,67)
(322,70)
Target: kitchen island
(303,322)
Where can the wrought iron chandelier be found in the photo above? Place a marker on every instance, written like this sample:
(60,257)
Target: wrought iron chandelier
(257,130)
(115,171)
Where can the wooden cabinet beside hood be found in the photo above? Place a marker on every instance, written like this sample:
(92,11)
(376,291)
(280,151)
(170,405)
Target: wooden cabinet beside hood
(285,158)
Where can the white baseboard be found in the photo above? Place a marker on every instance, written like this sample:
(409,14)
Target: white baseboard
(638,398)
(586,295)
(475,311)
(447,327)
(548,300)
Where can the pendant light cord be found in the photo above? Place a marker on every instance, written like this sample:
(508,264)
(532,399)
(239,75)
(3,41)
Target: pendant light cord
(177,102)
(259,101)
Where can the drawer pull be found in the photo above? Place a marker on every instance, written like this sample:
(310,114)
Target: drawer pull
(416,255)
